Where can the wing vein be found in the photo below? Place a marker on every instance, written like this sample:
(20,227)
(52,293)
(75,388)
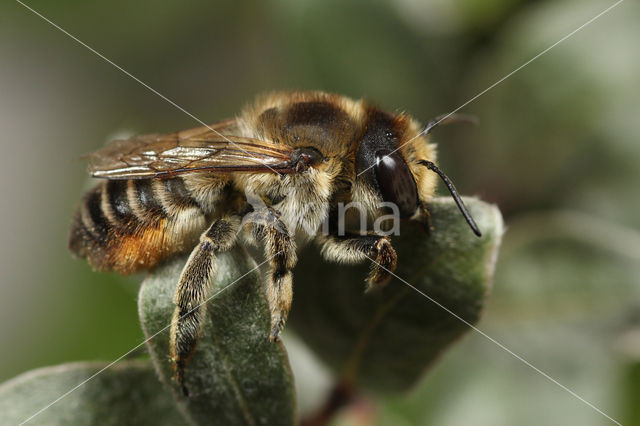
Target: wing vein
(150,156)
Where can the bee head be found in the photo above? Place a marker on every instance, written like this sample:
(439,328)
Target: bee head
(383,166)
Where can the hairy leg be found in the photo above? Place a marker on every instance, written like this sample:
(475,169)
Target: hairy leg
(192,290)
(280,250)
(357,249)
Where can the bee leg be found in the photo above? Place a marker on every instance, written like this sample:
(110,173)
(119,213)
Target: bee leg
(192,290)
(357,249)
(280,250)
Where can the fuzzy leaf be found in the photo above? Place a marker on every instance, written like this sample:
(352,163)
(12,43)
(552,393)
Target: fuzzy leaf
(386,339)
(235,376)
(128,393)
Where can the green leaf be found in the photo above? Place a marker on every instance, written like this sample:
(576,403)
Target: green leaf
(386,339)
(235,376)
(126,394)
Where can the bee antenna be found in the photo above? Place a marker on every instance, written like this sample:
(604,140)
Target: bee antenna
(452,189)
(450,118)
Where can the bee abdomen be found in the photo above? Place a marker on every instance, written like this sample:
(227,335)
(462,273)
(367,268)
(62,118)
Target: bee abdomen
(131,225)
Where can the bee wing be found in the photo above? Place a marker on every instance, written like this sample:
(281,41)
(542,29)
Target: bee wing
(199,149)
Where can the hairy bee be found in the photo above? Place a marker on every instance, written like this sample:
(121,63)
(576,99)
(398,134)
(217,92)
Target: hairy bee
(285,163)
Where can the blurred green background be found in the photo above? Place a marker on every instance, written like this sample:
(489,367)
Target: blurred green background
(557,149)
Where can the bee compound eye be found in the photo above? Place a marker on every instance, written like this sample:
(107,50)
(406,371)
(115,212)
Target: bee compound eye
(396,182)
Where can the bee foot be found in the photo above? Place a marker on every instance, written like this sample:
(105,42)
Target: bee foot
(275,331)
(185,391)
(384,263)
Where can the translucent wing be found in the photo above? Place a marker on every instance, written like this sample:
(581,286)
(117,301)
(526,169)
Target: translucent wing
(199,149)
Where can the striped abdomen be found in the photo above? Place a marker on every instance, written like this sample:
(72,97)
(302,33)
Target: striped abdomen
(131,225)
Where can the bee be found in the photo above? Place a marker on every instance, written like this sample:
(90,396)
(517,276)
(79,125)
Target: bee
(300,155)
